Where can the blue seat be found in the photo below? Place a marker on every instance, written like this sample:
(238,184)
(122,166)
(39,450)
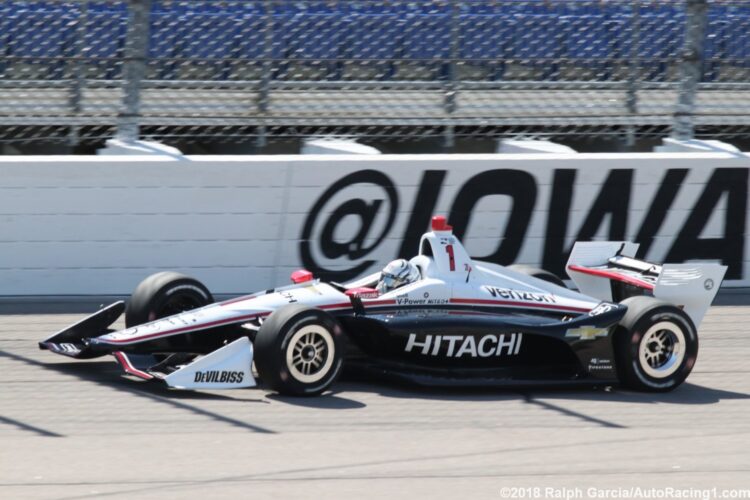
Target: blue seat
(372,36)
(195,38)
(485,41)
(250,46)
(593,43)
(727,48)
(589,37)
(41,35)
(396,37)
(485,37)
(661,40)
(736,41)
(162,45)
(250,34)
(715,49)
(205,40)
(310,36)
(539,42)
(426,36)
(311,40)
(204,36)
(373,40)
(104,41)
(6,20)
(427,43)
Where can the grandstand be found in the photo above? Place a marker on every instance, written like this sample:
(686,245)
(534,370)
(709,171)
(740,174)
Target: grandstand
(477,66)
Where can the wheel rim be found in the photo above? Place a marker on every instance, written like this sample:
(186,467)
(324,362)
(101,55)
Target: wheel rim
(662,349)
(310,353)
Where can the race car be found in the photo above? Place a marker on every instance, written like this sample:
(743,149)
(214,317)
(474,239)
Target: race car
(439,318)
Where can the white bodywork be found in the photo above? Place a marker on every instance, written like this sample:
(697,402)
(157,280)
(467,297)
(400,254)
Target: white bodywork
(689,286)
(692,286)
(225,368)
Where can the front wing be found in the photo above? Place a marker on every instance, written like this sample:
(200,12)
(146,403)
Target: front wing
(227,367)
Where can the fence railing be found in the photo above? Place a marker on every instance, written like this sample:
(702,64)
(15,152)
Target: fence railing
(85,70)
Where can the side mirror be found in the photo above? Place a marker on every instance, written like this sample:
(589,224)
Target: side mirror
(363,293)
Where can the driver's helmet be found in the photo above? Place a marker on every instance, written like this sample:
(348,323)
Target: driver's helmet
(396,274)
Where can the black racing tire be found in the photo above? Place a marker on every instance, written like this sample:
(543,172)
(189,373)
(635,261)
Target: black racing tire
(299,350)
(656,345)
(164,294)
(538,273)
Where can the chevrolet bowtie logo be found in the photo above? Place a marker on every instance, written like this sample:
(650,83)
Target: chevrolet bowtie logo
(586,333)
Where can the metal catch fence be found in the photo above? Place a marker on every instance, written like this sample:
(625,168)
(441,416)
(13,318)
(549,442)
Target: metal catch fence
(83,70)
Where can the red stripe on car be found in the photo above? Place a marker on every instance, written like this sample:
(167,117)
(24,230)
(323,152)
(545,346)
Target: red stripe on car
(605,273)
(129,368)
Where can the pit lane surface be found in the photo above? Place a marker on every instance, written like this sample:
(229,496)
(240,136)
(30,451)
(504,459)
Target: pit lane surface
(77,429)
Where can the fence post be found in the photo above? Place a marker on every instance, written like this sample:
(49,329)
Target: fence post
(134,70)
(78,77)
(451,88)
(633,71)
(690,68)
(264,89)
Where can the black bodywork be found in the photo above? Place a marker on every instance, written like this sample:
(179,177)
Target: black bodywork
(427,346)
(534,348)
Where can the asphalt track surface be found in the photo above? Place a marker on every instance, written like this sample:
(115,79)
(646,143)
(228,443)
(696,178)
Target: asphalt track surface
(78,429)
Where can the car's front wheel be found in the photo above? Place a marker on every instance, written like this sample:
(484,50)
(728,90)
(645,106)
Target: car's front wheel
(299,350)
(656,345)
(164,294)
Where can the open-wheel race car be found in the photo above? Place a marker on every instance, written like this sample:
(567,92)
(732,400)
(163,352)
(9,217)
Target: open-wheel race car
(439,318)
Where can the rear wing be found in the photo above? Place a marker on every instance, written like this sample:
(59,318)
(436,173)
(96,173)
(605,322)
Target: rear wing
(608,270)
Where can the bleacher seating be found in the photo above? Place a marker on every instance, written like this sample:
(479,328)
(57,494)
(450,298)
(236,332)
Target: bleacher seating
(367,40)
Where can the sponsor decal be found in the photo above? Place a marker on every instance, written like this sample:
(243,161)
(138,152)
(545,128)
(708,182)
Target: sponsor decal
(352,218)
(600,364)
(586,333)
(219,377)
(66,347)
(708,284)
(507,293)
(458,346)
(602,308)
(406,300)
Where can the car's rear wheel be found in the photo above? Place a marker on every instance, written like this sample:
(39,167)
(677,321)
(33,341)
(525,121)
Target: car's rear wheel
(299,350)
(164,294)
(656,345)
(538,273)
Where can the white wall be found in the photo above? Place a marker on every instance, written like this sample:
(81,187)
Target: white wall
(98,225)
